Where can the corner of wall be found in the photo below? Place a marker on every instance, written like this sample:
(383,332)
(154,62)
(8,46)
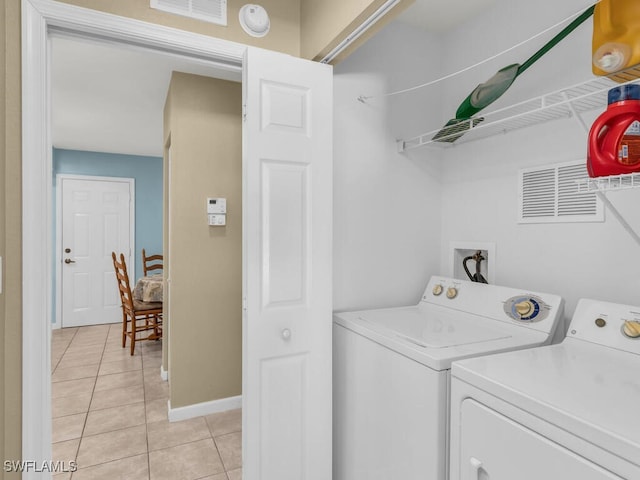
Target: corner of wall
(324,25)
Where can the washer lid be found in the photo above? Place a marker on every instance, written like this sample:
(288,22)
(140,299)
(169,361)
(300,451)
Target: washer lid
(435,329)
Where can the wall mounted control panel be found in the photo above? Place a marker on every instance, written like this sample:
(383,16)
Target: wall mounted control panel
(217,211)
(537,311)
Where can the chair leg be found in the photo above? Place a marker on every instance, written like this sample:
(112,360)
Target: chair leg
(124,329)
(156,330)
(133,334)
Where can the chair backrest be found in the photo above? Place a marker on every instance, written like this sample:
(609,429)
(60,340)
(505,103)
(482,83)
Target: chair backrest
(122,277)
(151,262)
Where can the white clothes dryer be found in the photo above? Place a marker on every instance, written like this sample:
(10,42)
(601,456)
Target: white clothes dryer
(391,372)
(560,412)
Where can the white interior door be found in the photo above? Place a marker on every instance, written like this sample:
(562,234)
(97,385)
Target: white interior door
(96,218)
(287,191)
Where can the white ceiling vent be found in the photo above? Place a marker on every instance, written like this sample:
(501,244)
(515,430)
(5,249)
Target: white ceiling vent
(213,11)
(550,194)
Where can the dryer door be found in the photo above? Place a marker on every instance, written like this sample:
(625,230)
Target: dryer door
(493,447)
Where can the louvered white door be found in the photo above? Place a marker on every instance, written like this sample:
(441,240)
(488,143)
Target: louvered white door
(287,157)
(96,219)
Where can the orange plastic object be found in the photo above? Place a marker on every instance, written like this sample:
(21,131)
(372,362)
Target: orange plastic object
(616,38)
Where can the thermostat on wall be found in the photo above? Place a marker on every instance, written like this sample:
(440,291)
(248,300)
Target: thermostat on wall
(216,205)
(217,211)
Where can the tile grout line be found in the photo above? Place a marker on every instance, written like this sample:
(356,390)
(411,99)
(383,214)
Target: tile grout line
(224,467)
(83,436)
(86,418)
(146,423)
(65,350)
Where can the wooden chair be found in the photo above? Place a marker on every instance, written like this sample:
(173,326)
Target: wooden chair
(136,316)
(151,262)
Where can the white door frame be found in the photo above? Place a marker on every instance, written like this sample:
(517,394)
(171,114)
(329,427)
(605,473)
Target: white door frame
(38,18)
(58,252)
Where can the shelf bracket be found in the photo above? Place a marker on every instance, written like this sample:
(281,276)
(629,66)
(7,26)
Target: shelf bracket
(614,211)
(575,114)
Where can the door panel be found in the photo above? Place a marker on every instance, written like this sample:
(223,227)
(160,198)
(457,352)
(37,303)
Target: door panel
(282,396)
(96,219)
(287,155)
(285,223)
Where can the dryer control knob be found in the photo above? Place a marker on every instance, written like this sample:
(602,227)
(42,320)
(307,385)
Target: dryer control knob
(452,292)
(524,308)
(631,329)
(437,290)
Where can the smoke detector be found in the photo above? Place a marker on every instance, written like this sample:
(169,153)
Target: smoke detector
(254,20)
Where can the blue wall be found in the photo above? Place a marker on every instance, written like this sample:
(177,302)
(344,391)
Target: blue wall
(147,172)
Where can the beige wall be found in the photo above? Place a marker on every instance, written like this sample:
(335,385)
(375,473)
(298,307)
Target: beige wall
(323,25)
(284,15)
(204,121)
(10,237)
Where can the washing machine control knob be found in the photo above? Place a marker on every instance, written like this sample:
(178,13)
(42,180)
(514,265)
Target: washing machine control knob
(437,290)
(524,308)
(452,292)
(631,329)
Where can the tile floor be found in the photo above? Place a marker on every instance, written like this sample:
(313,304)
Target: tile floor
(109,414)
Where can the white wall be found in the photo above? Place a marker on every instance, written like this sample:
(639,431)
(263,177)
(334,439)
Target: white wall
(501,28)
(396,214)
(479,181)
(387,205)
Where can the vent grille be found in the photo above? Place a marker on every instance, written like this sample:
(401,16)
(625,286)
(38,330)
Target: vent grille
(550,194)
(538,193)
(213,11)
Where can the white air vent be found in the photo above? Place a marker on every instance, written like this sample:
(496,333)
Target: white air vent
(213,11)
(550,195)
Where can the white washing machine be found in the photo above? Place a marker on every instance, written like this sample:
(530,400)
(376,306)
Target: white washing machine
(560,412)
(391,372)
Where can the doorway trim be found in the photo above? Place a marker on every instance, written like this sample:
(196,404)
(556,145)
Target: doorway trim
(58,222)
(39,17)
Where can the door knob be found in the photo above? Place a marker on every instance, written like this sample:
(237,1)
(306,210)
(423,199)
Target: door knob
(286,334)
(68,260)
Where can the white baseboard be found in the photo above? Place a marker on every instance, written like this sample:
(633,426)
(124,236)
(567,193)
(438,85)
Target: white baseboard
(204,408)
(164,374)
(56,325)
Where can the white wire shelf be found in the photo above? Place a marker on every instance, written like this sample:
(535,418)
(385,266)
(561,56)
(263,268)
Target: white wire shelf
(563,103)
(608,184)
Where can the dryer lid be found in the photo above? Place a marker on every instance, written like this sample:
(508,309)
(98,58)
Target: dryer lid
(436,328)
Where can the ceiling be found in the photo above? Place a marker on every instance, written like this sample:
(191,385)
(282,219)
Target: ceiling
(110,98)
(443,15)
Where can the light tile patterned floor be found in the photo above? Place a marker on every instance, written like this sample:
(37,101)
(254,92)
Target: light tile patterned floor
(110,415)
